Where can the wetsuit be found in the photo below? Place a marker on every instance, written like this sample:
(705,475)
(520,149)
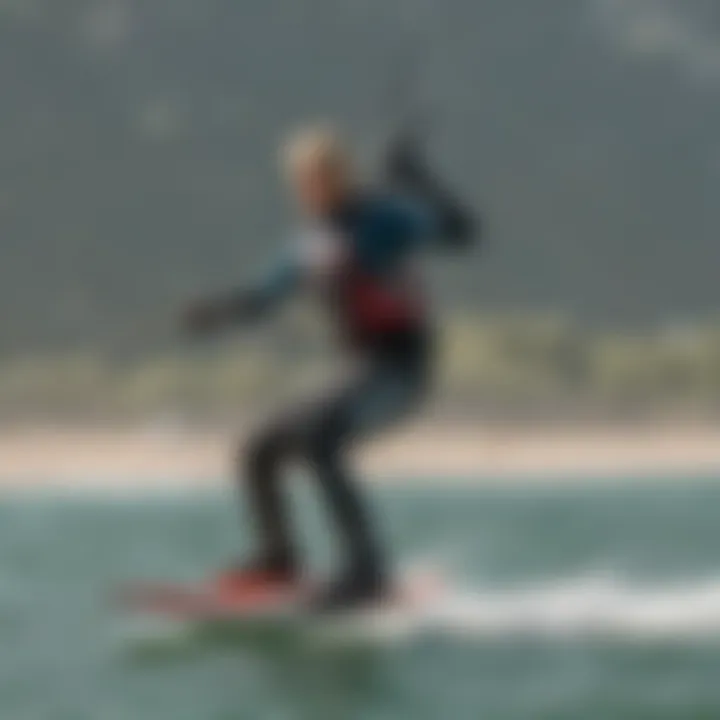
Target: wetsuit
(360,261)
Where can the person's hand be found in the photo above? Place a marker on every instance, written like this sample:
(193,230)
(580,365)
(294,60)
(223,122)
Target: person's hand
(202,317)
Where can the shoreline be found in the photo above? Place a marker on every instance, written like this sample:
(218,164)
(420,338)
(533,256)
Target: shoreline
(462,453)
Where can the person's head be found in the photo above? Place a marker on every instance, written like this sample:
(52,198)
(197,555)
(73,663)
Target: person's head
(319,167)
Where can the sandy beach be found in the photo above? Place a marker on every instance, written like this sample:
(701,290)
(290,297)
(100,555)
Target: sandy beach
(116,459)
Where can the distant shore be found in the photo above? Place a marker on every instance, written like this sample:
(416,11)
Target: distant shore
(117,459)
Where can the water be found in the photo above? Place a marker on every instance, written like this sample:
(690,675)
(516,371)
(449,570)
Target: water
(595,602)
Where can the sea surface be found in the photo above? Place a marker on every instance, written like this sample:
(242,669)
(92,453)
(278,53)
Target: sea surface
(586,602)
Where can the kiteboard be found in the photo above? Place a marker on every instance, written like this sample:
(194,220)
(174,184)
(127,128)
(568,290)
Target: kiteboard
(209,603)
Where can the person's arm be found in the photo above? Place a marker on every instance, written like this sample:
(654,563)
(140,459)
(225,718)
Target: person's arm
(244,305)
(446,216)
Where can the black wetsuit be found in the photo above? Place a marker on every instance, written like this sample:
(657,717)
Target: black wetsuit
(360,261)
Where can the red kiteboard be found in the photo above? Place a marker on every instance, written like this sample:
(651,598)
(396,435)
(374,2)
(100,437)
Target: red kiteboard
(221,601)
(216,600)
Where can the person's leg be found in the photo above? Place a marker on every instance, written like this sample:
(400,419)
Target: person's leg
(261,470)
(327,453)
(321,432)
(371,402)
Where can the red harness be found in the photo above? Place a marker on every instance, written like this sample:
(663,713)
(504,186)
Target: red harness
(374,307)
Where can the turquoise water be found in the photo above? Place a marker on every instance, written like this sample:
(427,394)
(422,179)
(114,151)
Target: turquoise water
(582,603)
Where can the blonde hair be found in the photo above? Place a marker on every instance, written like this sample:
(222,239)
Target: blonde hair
(319,146)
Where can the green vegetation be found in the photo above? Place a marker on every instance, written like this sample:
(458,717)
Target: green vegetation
(137,150)
(498,367)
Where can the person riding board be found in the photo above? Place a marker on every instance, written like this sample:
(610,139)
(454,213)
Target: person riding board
(356,252)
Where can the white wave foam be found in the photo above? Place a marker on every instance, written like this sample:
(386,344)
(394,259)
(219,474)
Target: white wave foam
(600,606)
(597,606)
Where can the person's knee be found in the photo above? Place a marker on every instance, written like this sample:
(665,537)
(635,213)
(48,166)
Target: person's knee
(262,455)
(323,446)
